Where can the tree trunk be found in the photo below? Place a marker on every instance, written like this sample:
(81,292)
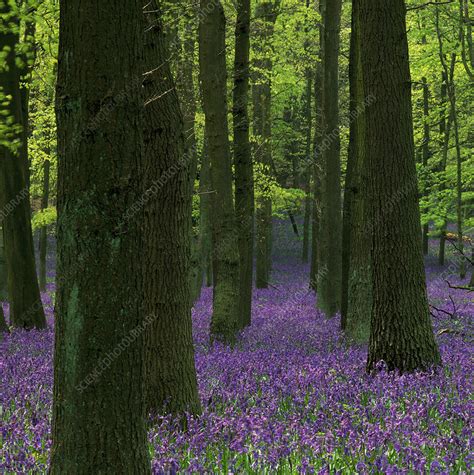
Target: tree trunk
(244,191)
(265,17)
(26,308)
(329,285)
(451,90)
(3,269)
(43,238)
(356,277)
(401,333)
(426,152)
(316,166)
(225,252)
(307,202)
(98,411)
(170,372)
(205,191)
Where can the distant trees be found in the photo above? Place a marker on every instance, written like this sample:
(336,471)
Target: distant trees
(98,411)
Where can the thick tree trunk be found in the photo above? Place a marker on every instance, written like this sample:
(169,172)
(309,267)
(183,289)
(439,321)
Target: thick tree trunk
(170,372)
(3,269)
(225,252)
(99,412)
(26,308)
(43,238)
(401,333)
(329,285)
(244,190)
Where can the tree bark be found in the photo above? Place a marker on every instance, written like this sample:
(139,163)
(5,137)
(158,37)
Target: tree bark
(26,308)
(98,410)
(401,333)
(329,285)
(170,371)
(225,252)
(244,188)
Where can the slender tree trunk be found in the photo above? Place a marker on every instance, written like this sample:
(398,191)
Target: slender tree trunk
(99,411)
(426,152)
(244,190)
(43,238)
(3,268)
(307,203)
(205,191)
(445,129)
(401,333)
(329,285)
(225,252)
(3,286)
(26,308)
(357,284)
(170,372)
(265,17)
(451,90)
(317,162)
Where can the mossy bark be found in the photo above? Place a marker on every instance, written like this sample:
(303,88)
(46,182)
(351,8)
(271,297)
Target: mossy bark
(225,251)
(98,407)
(329,284)
(356,275)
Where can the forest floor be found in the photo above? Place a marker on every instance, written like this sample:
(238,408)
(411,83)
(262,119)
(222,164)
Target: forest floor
(292,398)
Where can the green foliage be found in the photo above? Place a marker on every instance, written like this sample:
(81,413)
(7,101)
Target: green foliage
(45,217)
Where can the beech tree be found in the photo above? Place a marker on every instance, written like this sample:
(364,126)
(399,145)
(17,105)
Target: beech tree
(401,334)
(244,187)
(171,375)
(329,285)
(98,410)
(225,251)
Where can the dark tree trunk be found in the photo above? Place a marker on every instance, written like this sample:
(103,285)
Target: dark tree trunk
(401,333)
(187,98)
(329,285)
(170,372)
(43,237)
(356,277)
(225,252)
(26,308)
(244,191)
(99,411)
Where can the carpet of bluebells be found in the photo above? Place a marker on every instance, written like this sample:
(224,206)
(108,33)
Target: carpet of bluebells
(292,398)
